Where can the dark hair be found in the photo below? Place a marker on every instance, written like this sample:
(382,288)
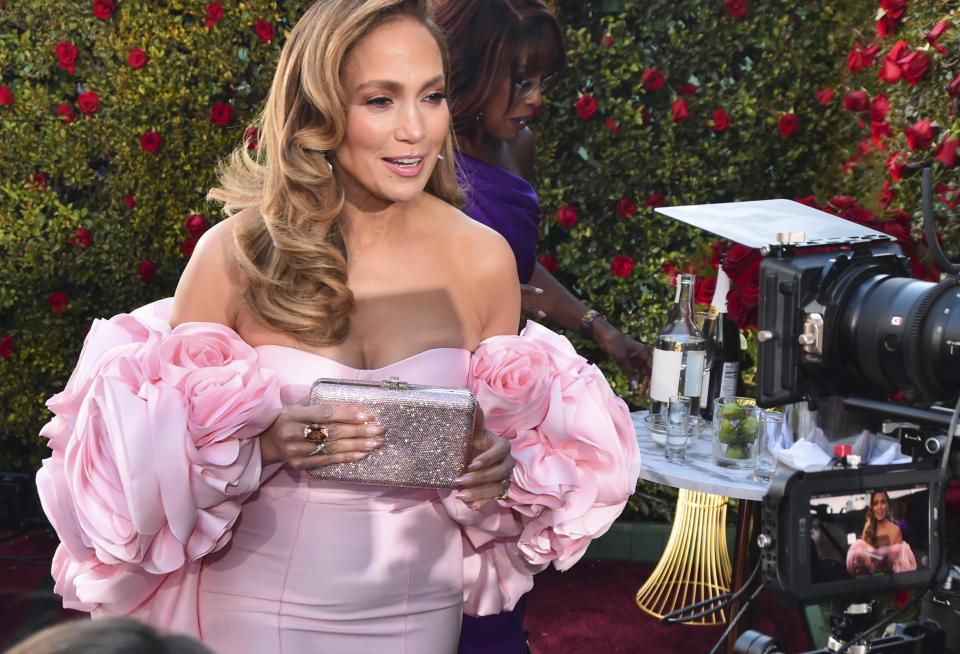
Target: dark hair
(107,636)
(870,529)
(487,39)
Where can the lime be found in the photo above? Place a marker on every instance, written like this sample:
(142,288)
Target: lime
(728,432)
(732,411)
(749,427)
(737,451)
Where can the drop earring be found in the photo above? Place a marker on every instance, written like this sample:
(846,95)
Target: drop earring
(479,116)
(439,157)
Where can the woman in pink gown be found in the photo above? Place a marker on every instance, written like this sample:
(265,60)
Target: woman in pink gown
(181,447)
(881,547)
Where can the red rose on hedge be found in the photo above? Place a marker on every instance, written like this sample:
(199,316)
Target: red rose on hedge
(622,266)
(36,180)
(549,262)
(653,79)
(788,124)
(146,271)
(188,246)
(738,259)
(151,141)
(67,56)
(625,207)
(58,301)
(954,87)
(214,13)
(264,30)
(196,224)
(655,200)
(103,8)
(735,8)
(856,101)
(721,120)
(687,89)
(221,114)
(252,137)
(88,102)
(824,96)
(680,111)
(137,58)
(885,194)
(586,106)
(896,164)
(66,111)
(606,41)
(129,199)
(879,107)
(920,135)
(81,238)
(914,66)
(567,216)
(879,130)
(703,290)
(860,58)
(6,346)
(6,96)
(611,125)
(947,152)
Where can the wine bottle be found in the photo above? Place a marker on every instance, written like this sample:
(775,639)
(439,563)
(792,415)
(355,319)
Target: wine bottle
(678,352)
(722,367)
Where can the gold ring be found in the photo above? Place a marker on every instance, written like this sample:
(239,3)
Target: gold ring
(505,486)
(321,448)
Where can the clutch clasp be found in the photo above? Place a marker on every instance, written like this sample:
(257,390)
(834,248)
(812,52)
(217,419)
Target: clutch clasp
(394,383)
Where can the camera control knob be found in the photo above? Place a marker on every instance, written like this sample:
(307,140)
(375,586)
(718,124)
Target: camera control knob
(765,335)
(764,541)
(806,339)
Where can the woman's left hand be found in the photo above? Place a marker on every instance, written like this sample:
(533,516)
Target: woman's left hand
(633,356)
(488,475)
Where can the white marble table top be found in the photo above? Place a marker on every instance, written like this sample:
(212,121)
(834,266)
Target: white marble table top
(697,472)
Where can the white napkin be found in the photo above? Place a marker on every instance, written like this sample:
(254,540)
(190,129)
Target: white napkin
(815,450)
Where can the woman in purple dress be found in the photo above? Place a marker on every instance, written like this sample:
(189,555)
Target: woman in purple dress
(505,55)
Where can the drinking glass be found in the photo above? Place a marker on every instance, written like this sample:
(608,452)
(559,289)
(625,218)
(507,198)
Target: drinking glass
(764,462)
(678,428)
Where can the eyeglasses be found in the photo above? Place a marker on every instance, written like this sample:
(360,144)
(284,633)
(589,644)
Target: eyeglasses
(524,87)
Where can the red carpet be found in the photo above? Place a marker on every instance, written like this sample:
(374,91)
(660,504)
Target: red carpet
(589,609)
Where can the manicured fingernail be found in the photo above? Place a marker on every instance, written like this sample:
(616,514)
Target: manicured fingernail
(373,430)
(363,417)
(462,495)
(538,290)
(634,384)
(476,465)
(372,443)
(462,479)
(359,455)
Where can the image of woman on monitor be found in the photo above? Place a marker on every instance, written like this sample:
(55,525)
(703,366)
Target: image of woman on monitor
(881,548)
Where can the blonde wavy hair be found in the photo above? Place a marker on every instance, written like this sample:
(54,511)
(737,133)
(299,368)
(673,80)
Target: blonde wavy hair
(294,255)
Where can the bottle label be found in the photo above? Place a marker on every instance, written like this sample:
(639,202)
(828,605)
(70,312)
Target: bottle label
(728,382)
(693,378)
(705,386)
(676,373)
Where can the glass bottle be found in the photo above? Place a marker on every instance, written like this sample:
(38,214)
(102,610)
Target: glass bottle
(722,368)
(678,352)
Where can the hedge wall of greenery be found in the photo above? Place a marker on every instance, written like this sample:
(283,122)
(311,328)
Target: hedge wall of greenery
(113,114)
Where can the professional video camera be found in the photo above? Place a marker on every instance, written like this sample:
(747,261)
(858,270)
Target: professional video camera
(840,317)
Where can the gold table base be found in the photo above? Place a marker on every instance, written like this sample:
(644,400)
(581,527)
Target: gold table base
(695,565)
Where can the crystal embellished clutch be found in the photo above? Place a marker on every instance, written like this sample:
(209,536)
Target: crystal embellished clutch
(428,437)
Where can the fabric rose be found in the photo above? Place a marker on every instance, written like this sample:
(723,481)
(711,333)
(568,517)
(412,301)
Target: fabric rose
(221,114)
(6,346)
(655,200)
(947,152)
(88,102)
(622,266)
(721,120)
(58,301)
(653,79)
(914,66)
(6,96)
(586,106)
(567,216)
(625,208)
(920,135)
(137,59)
(146,271)
(934,35)
(788,124)
(151,141)
(735,8)
(680,111)
(66,111)
(825,96)
(81,238)
(67,56)
(856,101)
(549,262)
(196,225)
(264,30)
(214,13)
(102,9)
(252,137)
(611,125)
(188,246)
(130,200)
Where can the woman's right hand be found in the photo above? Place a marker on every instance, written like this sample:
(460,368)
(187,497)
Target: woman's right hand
(350,435)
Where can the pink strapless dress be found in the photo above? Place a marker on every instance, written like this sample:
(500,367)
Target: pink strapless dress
(155,488)
(319,566)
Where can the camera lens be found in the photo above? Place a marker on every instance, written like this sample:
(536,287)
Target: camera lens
(892,332)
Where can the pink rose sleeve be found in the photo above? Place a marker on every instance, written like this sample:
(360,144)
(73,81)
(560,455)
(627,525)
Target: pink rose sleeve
(152,455)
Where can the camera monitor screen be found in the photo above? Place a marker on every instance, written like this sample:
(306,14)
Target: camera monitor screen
(883,531)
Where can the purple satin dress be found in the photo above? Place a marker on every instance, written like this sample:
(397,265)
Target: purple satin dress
(504,202)
(507,203)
